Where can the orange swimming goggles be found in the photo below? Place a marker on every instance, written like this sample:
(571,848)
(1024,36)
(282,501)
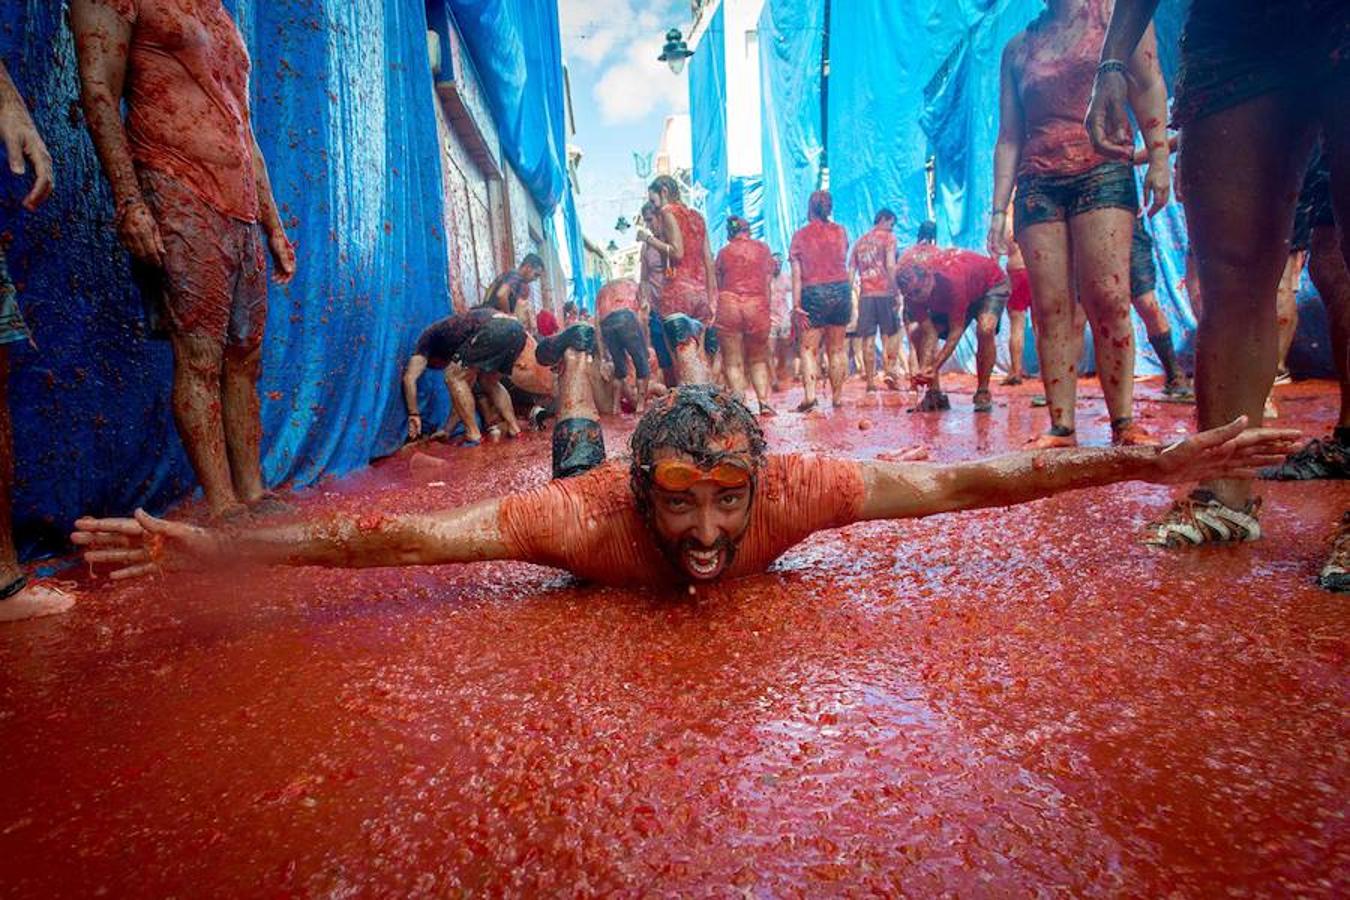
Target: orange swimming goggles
(681,475)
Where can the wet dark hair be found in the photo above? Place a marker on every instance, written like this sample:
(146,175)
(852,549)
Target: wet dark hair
(928,232)
(569,308)
(650,209)
(736,225)
(820,206)
(533,259)
(686,420)
(884,215)
(664,184)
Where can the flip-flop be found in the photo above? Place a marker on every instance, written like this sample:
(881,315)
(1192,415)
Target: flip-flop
(987,405)
(806,407)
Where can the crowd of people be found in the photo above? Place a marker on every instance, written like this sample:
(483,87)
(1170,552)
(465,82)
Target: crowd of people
(686,342)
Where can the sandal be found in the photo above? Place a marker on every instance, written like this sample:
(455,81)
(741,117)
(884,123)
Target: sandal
(983,401)
(807,405)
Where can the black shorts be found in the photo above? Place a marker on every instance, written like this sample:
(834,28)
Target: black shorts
(1314,203)
(623,338)
(578,447)
(1058,198)
(877,312)
(494,348)
(658,335)
(1143,274)
(827,304)
(1233,51)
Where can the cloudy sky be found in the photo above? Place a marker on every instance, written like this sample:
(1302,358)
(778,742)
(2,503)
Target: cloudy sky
(621,95)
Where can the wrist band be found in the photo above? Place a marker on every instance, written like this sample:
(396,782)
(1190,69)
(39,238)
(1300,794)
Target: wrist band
(1112,65)
(414,415)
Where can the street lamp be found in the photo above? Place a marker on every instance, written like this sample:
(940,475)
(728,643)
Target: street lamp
(622,224)
(675,52)
(613,247)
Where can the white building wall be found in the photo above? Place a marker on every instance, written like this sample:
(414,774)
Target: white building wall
(741,19)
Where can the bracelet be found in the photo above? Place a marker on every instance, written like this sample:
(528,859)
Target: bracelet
(1112,65)
(997,212)
(414,415)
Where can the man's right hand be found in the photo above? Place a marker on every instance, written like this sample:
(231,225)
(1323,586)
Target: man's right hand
(146,545)
(414,427)
(22,141)
(139,233)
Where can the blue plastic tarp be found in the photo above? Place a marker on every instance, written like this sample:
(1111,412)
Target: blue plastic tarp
(708,126)
(342,107)
(790,38)
(516,49)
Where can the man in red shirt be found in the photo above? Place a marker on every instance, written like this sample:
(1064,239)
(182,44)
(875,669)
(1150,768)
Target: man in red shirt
(955,288)
(821,290)
(873,263)
(191,191)
(698,501)
(689,292)
(744,274)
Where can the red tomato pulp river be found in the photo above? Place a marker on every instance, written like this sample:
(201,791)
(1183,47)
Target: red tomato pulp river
(1004,702)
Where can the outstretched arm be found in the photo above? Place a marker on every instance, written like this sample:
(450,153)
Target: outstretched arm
(912,490)
(146,545)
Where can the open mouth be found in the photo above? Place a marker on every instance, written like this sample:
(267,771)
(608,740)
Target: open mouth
(703,563)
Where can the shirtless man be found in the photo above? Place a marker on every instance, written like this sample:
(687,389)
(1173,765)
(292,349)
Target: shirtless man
(508,289)
(476,347)
(944,296)
(698,501)
(22,147)
(191,190)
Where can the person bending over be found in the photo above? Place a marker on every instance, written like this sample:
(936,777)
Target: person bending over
(479,346)
(698,500)
(624,341)
(509,292)
(956,288)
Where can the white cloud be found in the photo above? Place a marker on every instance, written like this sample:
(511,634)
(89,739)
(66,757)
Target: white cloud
(593,30)
(638,85)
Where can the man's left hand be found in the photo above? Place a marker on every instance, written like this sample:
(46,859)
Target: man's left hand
(1233,451)
(1108,119)
(283,257)
(22,141)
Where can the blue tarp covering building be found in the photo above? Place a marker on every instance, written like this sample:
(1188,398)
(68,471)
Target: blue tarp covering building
(343,110)
(708,126)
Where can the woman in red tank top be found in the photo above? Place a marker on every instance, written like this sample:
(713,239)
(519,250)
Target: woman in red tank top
(689,288)
(1074,209)
(744,273)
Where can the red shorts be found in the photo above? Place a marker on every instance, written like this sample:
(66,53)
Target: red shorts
(687,298)
(214,280)
(743,313)
(1020,301)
